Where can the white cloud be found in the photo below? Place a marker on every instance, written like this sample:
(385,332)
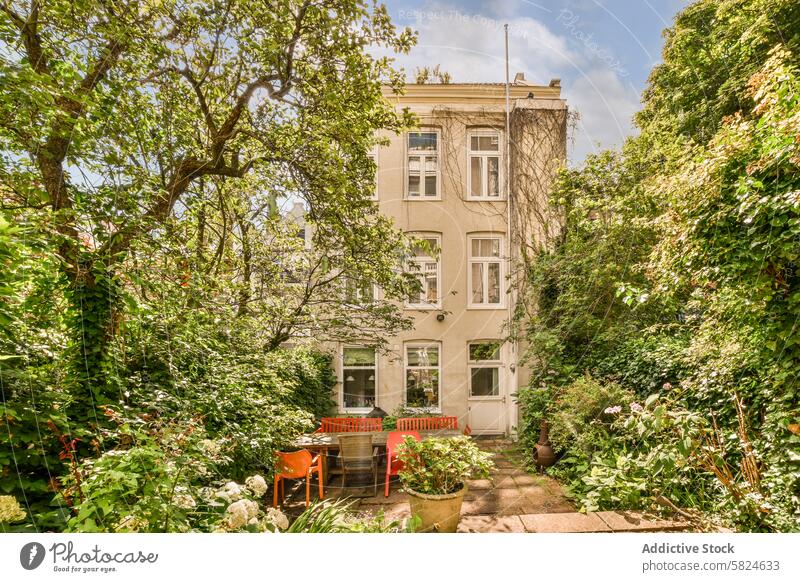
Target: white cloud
(606,107)
(470,46)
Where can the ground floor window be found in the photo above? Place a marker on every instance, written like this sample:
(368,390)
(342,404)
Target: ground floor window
(358,377)
(423,374)
(484,369)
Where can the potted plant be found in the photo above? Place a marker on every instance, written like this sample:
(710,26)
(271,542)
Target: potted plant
(434,475)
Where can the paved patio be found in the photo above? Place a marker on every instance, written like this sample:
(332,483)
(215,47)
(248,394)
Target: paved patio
(511,500)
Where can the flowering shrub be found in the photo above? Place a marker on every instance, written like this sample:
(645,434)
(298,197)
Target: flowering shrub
(244,511)
(166,478)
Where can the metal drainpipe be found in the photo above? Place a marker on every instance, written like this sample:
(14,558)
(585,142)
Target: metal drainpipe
(509,237)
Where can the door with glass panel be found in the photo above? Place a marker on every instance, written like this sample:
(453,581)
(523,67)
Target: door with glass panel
(486,400)
(358,379)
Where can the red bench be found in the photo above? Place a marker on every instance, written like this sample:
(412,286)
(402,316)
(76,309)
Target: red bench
(427,423)
(335,424)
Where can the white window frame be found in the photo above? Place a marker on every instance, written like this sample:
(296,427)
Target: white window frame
(486,260)
(375,155)
(484,154)
(420,273)
(359,300)
(342,377)
(422,156)
(477,364)
(438,368)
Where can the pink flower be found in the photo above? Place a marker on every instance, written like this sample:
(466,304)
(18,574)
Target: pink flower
(636,407)
(667,386)
(87,240)
(613,409)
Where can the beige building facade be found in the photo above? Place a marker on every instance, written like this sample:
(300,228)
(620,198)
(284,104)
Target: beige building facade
(463,186)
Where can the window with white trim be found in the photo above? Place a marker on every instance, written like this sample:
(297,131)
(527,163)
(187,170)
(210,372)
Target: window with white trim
(423,375)
(373,155)
(426,265)
(485,271)
(358,291)
(422,165)
(483,176)
(358,377)
(484,369)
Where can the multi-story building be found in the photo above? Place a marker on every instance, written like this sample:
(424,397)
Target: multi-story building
(467,189)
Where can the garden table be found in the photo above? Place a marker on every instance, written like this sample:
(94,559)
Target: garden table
(325,442)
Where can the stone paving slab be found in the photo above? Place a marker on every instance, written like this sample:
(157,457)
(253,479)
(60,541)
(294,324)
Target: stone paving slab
(490,524)
(564,523)
(479,484)
(632,521)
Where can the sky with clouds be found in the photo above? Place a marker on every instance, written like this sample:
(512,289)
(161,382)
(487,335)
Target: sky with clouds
(602,50)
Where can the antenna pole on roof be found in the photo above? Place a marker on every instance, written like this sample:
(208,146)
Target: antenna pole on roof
(508,125)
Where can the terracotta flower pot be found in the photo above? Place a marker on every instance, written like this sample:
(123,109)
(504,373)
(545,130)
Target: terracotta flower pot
(439,513)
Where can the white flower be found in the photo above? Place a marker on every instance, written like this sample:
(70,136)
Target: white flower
(211,448)
(613,409)
(241,513)
(184,501)
(10,510)
(636,407)
(257,485)
(236,515)
(277,518)
(230,492)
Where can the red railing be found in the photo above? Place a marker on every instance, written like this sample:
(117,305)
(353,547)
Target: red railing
(351,425)
(427,423)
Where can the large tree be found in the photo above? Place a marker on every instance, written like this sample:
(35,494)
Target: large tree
(117,118)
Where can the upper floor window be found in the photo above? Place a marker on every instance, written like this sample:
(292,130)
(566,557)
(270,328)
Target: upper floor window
(358,292)
(423,165)
(373,155)
(485,273)
(483,178)
(425,264)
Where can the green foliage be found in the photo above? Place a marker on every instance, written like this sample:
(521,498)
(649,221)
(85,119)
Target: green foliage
(710,53)
(148,483)
(338,517)
(578,408)
(675,274)
(440,466)
(646,453)
(144,264)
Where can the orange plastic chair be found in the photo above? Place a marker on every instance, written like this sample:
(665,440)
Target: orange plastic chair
(349,424)
(393,465)
(296,466)
(427,423)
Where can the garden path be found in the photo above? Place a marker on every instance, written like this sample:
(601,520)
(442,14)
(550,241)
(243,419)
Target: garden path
(511,500)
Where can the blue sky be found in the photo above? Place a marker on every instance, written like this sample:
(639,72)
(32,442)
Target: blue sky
(602,50)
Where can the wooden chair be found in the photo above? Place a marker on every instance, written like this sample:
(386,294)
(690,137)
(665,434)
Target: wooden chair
(344,424)
(297,465)
(357,455)
(393,465)
(428,423)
